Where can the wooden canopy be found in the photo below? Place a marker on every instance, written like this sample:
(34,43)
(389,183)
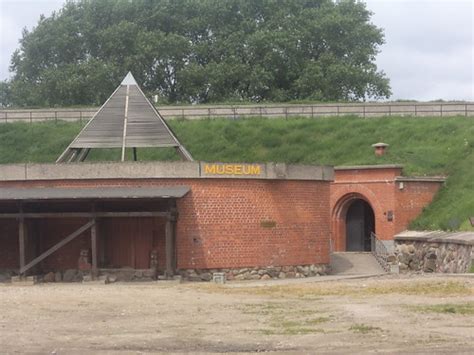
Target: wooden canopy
(126,120)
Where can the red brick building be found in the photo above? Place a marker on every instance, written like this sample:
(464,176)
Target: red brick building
(189,217)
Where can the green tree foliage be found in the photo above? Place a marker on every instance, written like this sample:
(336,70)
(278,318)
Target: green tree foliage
(200,51)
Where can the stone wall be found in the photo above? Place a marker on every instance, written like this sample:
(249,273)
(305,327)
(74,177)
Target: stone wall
(257,273)
(434,251)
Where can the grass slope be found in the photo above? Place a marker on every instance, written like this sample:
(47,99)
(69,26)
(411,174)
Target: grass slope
(425,146)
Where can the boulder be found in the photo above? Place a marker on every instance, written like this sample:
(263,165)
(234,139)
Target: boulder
(49,277)
(70,275)
(206,276)
(58,277)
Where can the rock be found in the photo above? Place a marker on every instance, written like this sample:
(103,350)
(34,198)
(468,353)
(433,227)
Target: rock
(125,275)
(281,275)
(266,277)
(58,277)
(49,277)
(206,276)
(5,276)
(272,272)
(291,274)
(151,273)
(70,275)
(112,278)
(411,249)
(194,278)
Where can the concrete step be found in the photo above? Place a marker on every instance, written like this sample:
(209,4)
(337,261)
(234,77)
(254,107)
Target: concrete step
(354,263)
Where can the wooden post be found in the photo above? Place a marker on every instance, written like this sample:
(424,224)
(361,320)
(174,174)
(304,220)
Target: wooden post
(22,244)
(94,249)
(169,248)
(134,154)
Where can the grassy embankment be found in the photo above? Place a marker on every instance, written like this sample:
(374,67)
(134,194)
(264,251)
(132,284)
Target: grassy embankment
(425,146)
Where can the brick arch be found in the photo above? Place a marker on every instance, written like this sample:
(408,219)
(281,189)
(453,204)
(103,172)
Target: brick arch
(344,197)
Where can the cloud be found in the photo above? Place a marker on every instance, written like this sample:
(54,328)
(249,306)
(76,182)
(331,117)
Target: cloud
(429,51)
(14,16)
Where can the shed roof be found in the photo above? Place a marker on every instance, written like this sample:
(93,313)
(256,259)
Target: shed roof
(40,193)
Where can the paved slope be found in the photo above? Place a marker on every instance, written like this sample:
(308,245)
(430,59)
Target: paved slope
(354,263)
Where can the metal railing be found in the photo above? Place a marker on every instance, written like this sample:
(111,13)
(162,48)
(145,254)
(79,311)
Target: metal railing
(366,110)
(380,252)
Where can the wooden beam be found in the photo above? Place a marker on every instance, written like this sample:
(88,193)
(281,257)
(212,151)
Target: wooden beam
(57,246)
(84,214)
(94,249)
(135,157)
(125,119)
(169,248)
(21,240)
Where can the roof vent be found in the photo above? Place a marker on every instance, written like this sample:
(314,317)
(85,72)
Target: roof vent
(380,148)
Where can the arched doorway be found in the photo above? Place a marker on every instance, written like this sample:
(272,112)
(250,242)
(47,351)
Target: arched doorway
(360,223)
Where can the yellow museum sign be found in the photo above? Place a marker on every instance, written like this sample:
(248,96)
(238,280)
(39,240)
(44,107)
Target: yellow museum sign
(231,169)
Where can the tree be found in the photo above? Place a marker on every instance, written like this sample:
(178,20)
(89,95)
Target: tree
(200,51)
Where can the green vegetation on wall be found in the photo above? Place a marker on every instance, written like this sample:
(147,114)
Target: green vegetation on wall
(425,146)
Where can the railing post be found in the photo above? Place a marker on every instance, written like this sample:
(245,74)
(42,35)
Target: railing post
(56,116)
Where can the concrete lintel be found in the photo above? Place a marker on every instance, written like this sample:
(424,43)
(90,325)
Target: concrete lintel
(466,238)
(369,167)
(420,179)
(125,170)
(13,172)
(164,170)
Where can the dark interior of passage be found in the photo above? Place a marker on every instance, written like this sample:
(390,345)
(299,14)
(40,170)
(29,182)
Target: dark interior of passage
(360,223)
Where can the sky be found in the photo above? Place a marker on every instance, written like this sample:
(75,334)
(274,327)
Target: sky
(428,54)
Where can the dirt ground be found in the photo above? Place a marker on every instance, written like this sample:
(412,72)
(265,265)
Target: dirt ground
(385,314)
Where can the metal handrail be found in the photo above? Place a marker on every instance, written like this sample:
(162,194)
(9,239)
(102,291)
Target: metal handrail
(380,252)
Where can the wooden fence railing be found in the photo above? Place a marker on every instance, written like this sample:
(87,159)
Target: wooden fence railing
(366,110)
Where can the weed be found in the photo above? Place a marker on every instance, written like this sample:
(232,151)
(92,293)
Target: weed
(448,308)
(363,328)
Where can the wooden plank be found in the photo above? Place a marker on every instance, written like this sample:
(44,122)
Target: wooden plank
(169,249)
(57,246)
(22,246)
(94,248)
(84,214)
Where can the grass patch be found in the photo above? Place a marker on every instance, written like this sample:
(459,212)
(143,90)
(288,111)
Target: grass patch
(447,308)
(424,145)
(363,328)
(430,288)
(471,269)
(282,319)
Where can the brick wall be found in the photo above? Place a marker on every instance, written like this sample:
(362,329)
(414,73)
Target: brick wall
(381,190)
(411,200)
(227,223)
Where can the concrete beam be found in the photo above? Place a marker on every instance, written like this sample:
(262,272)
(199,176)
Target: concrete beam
(164,170)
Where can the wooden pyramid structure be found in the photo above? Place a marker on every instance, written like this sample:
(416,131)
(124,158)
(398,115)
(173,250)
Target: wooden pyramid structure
(126,120)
